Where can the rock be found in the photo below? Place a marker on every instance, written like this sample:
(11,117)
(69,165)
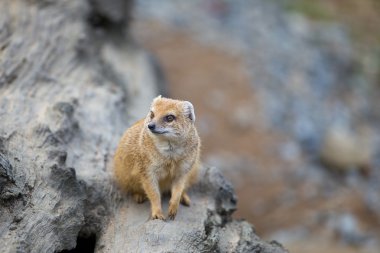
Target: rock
(290,151)
(71,81)
(205,226)
(242,118)
(8,189)
(347,228)
(5,169)
(343,149)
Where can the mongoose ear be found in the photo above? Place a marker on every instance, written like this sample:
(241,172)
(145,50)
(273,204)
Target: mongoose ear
(157,98)
(189,110)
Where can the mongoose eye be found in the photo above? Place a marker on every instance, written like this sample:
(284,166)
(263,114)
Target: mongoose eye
(151,115)
(169,118)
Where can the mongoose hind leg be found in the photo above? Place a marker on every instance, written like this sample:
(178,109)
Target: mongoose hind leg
(185,199)
(139,197)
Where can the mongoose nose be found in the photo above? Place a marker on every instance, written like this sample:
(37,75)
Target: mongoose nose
(151,126)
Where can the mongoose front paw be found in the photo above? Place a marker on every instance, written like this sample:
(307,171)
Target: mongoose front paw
(172,214)
(158,216)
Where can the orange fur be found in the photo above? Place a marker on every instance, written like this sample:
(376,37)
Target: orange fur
(148,163)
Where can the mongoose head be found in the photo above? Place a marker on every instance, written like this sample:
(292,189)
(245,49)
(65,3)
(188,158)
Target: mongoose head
(170,119)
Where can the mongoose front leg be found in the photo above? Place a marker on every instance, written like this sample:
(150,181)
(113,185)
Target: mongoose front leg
(177,191)
(152,191)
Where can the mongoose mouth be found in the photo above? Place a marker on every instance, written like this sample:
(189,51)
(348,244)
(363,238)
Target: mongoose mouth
(158,132)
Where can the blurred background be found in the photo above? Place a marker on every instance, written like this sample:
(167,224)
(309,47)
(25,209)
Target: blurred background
(286,96)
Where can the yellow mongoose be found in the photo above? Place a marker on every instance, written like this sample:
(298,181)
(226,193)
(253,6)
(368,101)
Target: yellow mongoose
(160,154)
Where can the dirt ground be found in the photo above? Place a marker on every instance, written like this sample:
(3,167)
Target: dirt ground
(230,124)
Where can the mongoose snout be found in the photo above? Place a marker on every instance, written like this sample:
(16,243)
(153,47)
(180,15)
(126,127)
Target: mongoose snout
(151,126)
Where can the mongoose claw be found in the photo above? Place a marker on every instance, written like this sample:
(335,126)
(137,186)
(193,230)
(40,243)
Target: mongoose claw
(158,216)
(172,215)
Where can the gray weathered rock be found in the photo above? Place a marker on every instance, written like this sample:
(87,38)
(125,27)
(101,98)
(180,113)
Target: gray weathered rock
(71,81)
(205,226)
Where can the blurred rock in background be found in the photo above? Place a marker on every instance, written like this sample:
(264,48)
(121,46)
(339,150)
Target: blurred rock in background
(286,95)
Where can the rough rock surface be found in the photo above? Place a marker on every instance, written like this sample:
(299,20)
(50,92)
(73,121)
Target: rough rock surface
(205,226)
(71,81)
